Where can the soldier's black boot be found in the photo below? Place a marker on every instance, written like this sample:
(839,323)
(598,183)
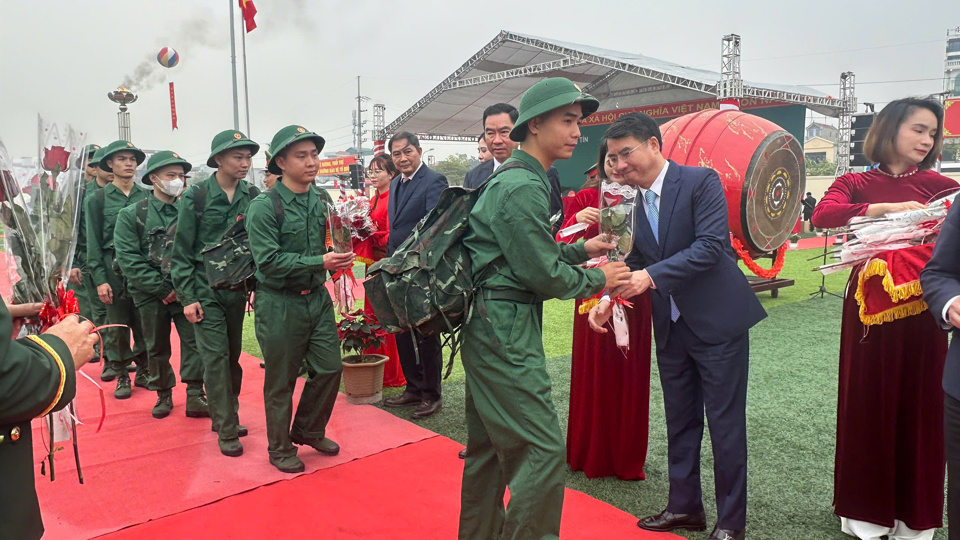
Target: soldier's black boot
(164,404)
(123,386)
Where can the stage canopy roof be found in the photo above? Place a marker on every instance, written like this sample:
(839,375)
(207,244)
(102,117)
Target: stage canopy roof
(504,68)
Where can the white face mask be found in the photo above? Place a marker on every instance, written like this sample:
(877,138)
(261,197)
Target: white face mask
(172,188)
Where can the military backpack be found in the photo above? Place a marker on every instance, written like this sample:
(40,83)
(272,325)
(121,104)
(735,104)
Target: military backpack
(426,286)
(229,264)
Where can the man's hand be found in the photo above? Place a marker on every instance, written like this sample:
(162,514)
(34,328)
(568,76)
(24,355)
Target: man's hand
(337,261)
(76,276)
(639,282)
(21,311)
(597,247)
(953,313)
(171,298)
(598,317)
(78,336)
(588,215)
(105,293)
(193,312)
(617,274)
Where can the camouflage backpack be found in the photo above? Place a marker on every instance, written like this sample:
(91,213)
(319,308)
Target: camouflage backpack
(229,264)
(426,285)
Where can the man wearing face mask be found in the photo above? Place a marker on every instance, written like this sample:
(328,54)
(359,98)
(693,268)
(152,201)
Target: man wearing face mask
(142,240)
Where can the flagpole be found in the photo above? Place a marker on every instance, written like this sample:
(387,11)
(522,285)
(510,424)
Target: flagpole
(246,91)
(233,61)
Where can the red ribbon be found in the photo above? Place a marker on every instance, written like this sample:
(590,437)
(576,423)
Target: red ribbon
(68,305)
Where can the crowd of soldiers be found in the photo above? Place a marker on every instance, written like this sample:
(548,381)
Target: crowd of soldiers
(140,264)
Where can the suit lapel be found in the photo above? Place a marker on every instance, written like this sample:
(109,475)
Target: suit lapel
(392,199)
(668,199)
(412,186)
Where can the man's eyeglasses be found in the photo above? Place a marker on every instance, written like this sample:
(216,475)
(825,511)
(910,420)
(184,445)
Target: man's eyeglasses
(614,159)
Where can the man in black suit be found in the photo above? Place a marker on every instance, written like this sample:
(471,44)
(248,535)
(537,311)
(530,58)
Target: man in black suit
(809,203)
(498,120)
(940,280)
(703,309)
(413,193)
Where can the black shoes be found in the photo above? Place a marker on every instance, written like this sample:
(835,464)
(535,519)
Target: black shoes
(403,400)
(164,404)
(726,534)
(325,446)
(427,408)
(667,521)
(463,454)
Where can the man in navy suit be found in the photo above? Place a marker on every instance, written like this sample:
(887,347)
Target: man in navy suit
(940,280)
(498,120)
(413,193)
(703,309)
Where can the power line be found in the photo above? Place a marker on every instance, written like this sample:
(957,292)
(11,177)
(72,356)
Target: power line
(880,82)
(834,52)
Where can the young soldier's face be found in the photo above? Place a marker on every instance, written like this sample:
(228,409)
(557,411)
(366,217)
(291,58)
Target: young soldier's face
(270,180)
(104,176)
(496,133)
(123,163)
(300,162)
(92,170)
(234,162)
(558,131)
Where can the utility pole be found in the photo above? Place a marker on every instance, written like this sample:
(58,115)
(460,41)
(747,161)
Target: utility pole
(233,61)
(358,122)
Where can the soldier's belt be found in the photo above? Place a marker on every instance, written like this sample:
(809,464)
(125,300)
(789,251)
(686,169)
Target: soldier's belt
(11,434)
(510,296)
(290,292)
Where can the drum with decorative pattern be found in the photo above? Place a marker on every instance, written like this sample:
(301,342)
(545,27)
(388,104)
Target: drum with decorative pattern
(760,166)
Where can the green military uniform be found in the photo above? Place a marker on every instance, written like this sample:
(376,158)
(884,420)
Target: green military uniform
(101,219)
(139,255)
(220,333)
(293,312)
(514,436)
(36,376)
(97,309)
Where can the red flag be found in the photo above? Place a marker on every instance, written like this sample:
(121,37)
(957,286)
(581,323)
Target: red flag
(249,11)
(173,109)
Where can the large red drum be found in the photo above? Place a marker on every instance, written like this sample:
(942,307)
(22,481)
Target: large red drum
(760,166)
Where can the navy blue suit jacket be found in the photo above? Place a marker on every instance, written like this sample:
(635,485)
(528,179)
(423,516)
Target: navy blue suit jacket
(481,172)
(418,198)
(692,261)
(940,280)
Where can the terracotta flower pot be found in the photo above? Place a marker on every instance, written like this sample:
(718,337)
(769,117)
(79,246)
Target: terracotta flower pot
(363,383)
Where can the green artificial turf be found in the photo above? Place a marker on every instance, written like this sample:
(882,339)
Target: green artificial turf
(791,413)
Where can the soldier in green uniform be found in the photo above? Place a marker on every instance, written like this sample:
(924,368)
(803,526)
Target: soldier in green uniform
(217,316)
(513,434)
(142,241)
(98,310)
(120,158)
(79,268)
(37,376)
(294,314)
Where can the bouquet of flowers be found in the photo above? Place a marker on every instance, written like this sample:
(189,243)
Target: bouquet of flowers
(348,218)
(617,206)
(40,226)
(898,230)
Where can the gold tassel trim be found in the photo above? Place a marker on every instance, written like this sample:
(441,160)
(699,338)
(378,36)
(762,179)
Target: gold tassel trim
(587,305)
(897,293)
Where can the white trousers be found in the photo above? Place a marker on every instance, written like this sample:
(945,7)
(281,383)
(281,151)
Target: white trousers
(871,531)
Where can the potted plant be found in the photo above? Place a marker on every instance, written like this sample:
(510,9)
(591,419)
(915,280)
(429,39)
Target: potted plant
(362,372)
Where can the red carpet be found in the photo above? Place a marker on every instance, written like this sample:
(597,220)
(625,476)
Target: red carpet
(358,500)
(139,468)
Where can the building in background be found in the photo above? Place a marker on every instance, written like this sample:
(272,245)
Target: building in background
(824,131)
(951,63)
(820,149)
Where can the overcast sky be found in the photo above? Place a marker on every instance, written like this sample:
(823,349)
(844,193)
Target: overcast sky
(59,58)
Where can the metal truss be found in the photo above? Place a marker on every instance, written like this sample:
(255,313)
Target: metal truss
(379,113)
(731,83)
(849,99)
(524,71)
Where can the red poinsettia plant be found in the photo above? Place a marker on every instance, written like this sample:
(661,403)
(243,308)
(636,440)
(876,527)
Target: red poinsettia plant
(359,331)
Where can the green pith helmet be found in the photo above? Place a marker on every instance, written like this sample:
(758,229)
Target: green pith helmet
(287,136)
(225,140)
(591,171)
(87,154)
(97,156)
(118,146)
(547,95)
(162,159)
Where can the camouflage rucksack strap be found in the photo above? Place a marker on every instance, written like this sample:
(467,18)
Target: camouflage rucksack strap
(199,201)
(142,209)
(278,211)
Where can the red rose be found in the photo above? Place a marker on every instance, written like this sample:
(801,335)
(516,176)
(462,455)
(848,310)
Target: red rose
(55,156)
